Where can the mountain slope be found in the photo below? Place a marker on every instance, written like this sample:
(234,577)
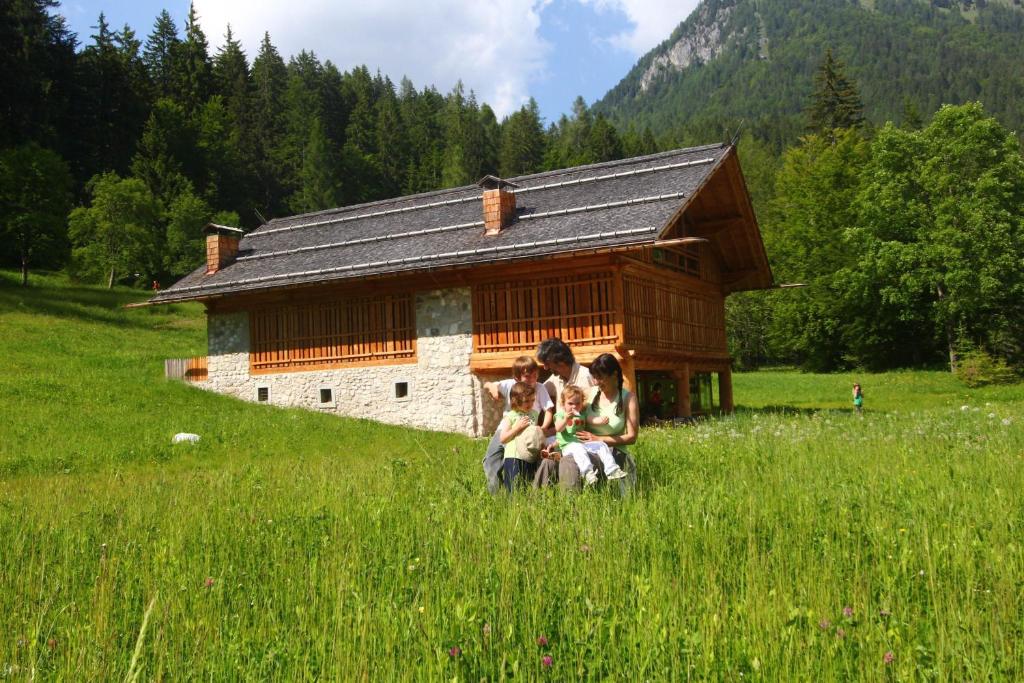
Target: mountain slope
(755,60)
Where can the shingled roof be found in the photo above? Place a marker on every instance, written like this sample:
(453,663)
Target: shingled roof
(608,205)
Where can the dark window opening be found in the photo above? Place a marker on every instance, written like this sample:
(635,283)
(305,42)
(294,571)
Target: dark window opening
(401,389)
(326,396)
(263,394)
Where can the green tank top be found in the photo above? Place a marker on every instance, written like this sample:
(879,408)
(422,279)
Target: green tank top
(616,423)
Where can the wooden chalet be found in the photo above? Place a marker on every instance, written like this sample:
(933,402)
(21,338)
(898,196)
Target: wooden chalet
(398,310)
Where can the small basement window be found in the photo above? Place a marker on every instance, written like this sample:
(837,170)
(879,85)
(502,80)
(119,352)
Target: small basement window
(326,395)
(263,394)
(401,390)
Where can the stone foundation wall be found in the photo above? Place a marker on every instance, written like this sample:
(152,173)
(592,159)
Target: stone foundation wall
(443,394)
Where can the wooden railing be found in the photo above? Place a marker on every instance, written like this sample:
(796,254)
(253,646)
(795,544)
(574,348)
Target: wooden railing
(352,331)
(516,316)
(187,369)
(662,315)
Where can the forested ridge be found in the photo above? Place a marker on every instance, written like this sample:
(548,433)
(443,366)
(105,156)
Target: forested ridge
(903,220)
(905,54)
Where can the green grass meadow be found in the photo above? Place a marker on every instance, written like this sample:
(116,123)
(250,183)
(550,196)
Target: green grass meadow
(792,541)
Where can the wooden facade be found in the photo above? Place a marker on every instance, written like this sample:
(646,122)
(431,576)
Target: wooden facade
(657,304)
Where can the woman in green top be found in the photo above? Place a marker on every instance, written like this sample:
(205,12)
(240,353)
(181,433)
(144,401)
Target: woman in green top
(611,399)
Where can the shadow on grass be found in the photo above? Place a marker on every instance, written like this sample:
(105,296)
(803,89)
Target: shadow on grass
(88,304)
(780,410)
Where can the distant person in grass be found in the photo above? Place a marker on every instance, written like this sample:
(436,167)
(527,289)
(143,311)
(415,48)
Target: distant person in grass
(524,369)
(570,420)
(521,437)
(858,399)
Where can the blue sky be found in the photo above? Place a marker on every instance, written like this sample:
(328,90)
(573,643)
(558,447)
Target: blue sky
(505,50)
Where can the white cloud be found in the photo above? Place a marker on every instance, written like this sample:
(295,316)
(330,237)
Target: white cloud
(652,21)
(493,46)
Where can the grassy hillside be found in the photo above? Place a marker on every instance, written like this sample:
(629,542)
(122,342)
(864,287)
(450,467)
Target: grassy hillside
(792,541)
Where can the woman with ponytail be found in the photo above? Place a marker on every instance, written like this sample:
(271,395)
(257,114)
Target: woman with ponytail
(608,399)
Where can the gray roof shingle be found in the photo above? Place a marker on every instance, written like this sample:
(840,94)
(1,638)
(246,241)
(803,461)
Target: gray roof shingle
(617,203)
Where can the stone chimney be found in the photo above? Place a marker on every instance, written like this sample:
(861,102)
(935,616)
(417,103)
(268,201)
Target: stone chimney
(499,204)
(221,246)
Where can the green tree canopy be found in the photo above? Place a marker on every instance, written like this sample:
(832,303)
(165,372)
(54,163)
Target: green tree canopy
(119,234)
(35,193)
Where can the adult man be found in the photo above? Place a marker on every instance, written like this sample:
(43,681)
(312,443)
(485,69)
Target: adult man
(556,357)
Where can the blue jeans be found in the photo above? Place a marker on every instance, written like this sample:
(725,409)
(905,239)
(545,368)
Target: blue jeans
(493,461)
(513,469)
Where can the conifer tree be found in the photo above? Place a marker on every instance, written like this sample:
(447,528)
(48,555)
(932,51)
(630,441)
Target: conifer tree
(192,80)
(603,142)
(270,80)
(392,144)
(836,103)
(319,181)
(36,62)
(160,52)
(112,110)
(522,142)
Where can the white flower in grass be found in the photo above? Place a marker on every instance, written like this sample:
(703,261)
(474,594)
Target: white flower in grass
(1007,421)
(991,416)
(965,408)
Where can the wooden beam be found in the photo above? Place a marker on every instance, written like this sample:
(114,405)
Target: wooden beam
(731,277)
(725,390)
(713,227)
(682,378)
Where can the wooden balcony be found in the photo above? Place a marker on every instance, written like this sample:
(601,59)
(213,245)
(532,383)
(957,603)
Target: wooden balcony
(186,369)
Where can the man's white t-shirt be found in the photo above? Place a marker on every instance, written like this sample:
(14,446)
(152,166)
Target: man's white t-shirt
(541,401)
(579,376)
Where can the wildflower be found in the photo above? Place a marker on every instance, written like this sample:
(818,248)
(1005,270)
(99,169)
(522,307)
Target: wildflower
(454,651)
(422,609)
(884,613)
(991,416)
(921,573)
(888,657)
(487,630)
(824,624)
(965,408)
(542,641)
(584,548)
(52,644)
(1006,421)
(209,582)
(847,611)
(840,633)
(547,661)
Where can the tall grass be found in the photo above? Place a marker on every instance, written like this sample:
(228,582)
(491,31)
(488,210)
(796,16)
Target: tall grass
(786,542)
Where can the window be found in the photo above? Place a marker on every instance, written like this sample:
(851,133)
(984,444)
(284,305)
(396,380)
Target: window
(684,260)
(326,395)
(356,330)
(263,394)
(401,390)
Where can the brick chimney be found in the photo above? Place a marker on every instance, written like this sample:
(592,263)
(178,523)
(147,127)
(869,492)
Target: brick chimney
(221,246)
(499,204)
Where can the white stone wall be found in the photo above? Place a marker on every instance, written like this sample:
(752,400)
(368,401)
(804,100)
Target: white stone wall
(443,393)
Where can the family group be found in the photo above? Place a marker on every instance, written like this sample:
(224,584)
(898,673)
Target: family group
(572,429)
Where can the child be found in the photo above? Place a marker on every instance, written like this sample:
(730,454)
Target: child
(524,369)
(858,399)
(520,435)
(568,421)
